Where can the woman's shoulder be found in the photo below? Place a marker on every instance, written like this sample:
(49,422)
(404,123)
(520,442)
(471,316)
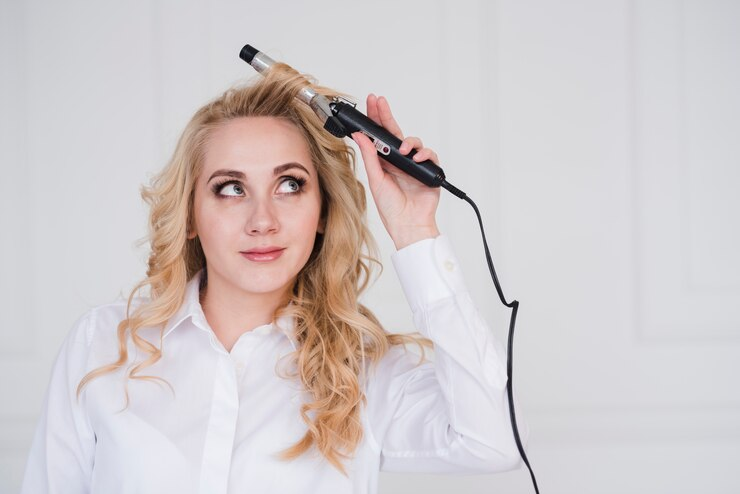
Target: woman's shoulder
(101,321)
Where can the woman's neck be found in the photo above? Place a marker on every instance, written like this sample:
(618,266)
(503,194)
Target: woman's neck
(230,313)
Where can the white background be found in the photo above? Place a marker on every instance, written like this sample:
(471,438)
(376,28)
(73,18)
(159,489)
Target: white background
(598,138)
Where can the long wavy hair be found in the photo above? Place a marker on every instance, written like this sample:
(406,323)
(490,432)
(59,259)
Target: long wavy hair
(336,333)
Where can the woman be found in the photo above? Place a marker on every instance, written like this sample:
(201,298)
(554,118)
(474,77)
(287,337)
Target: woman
(251,366)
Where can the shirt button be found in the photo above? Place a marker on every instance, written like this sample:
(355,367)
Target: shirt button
(240,368)
(449,265)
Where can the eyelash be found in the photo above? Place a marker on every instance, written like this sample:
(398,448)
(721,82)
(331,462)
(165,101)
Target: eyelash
(217,187)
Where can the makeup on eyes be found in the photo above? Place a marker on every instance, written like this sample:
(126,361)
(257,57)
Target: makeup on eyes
(218,186)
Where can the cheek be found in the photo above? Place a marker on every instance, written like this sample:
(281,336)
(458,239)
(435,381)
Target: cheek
(304,225)
(306,221)
(213,225)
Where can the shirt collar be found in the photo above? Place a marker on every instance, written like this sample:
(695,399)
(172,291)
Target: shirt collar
(191,308)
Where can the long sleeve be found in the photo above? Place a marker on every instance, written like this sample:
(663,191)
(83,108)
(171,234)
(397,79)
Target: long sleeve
(450,415)
(63,447)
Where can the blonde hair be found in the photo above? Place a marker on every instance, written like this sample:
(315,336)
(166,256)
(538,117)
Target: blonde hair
(335,332)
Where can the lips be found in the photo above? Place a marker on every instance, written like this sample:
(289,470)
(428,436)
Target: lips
(263,254)
(263,250)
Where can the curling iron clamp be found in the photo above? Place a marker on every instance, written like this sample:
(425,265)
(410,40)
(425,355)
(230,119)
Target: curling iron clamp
(341,119)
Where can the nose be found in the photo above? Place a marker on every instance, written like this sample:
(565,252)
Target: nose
(263,218)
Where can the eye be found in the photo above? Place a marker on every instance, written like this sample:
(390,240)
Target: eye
(229,186)
(294,185)
(288,186)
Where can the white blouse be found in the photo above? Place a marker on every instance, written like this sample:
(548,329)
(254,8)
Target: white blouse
(230,412)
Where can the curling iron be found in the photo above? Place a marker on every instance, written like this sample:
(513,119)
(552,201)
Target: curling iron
(341,119)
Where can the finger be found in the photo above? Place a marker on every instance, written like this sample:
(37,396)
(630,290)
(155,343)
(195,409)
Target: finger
(372,108)
(386,118)
(426,154)
(369,157)
(410,143)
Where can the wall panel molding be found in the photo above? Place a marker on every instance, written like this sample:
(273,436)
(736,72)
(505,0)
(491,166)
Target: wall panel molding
(684,210)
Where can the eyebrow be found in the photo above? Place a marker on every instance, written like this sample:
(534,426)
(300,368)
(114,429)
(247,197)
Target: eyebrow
(277,171)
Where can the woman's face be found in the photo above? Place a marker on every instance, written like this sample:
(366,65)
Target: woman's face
(258,190)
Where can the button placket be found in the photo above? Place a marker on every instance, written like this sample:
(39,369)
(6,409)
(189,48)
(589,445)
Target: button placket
(221,428)
(239,371)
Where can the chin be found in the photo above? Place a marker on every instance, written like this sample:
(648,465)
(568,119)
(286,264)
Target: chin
(271,285)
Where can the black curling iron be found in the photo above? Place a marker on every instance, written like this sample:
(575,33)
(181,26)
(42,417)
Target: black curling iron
(341,119)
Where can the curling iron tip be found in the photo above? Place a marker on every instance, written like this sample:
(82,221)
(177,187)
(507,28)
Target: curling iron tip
(248,53)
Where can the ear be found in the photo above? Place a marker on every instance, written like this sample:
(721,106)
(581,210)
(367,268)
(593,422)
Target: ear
(322,226)
(192,233)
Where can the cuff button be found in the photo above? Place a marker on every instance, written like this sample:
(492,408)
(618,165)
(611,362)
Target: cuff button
(449,265)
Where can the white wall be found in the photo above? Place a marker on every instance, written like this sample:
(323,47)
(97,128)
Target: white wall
(599,139)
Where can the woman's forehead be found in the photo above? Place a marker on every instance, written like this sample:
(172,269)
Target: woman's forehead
(256,144)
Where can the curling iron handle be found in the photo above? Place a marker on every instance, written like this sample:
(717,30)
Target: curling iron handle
(427,172)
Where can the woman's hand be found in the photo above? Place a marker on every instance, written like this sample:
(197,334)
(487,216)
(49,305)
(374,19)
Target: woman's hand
(407,207)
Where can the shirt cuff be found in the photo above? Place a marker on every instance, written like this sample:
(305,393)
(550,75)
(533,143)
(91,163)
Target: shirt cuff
(428,271)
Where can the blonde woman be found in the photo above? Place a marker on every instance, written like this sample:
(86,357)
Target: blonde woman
(250,365)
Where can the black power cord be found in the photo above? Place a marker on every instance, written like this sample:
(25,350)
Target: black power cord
(514,305)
